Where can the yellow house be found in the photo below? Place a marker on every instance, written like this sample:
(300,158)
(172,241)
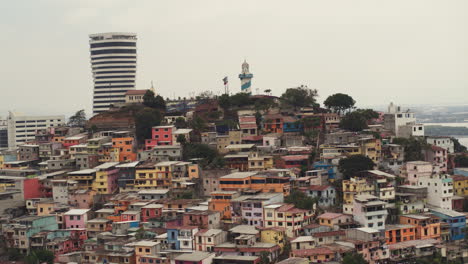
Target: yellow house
(352,187)
(105,181)
(2,160)
(193,171)
(460,185)
(145,176)
(45,208)
(371,148)
(275,235)
(232,138)
(159,175)
(330,151)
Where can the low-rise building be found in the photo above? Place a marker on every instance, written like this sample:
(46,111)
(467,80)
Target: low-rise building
(369,211)
(207,239)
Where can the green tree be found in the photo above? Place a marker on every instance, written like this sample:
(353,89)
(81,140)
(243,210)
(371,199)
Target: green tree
(186,195)
(78,119)
(354,122)
(181,139)
(413,147)
(352,165)
(224,102)
(180,123)
(265,258)
(299,97)
(160,103)
(198,124)
(145,119)
(300,200)
(40,256)
(140,233)
(156,102)
(14,254)
(209,156)
(368,113)
(358,120)
(240,99)
(353,258)
(461,161)
(339,102)
(265,104)
(457,147)
(149,99)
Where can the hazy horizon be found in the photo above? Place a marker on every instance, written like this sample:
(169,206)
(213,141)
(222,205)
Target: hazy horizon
(407,52)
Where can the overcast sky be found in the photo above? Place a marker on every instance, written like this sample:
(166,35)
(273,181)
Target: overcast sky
(406,51)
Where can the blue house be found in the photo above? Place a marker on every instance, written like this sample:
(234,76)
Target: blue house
(331,169)
(456,221)
(173,238)
(292,125)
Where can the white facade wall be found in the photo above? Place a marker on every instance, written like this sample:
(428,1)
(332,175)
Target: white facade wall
(443,142)
(113,64)
(439,190)
(22,128)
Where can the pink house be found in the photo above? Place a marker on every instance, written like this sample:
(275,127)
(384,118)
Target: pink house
(160,135)
(130,216)
(81,199)
(76,218)
(437,156)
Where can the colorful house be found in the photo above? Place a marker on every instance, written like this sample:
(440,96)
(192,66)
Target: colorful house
(455,220)
(76,218)
(427,225)
(126,147)
(399,233)
(460,185)
(74,140)
(274,235)
(151,211)
(221,202)
(288,217)
(207,239)
(160,135)
(106,178)
(254,181)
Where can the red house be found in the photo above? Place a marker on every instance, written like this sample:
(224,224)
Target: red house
(74,140)
(151,211)
(291,161)
(160,135)
(202,219)
(32,188)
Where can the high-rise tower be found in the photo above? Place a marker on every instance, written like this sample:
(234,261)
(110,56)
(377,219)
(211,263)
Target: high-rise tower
(113,63)
(246,78)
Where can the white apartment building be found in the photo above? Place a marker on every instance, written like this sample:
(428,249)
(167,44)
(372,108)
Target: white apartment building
(439,190)
(402,123)
(369,211)
(113,63)
(443,142)
(22,128)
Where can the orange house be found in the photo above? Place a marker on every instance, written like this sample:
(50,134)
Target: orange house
(221,202)
(252,180)
(399,233)
(273,123)
(427,225)
(126,147)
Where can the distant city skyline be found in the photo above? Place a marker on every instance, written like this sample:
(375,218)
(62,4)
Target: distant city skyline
(406,52)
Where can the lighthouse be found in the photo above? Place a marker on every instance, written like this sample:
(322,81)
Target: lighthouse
(246,78)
